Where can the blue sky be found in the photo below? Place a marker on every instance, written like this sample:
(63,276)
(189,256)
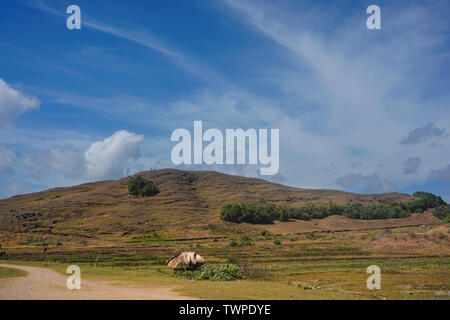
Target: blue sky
(358,110)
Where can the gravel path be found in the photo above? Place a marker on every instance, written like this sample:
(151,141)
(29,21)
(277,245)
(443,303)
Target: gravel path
(46,284)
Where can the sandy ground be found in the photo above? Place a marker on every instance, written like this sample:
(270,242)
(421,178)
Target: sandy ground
(46,284)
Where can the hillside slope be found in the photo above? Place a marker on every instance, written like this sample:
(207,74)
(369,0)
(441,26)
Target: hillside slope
(188,205)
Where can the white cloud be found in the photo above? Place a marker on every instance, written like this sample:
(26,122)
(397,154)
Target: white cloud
(63,163)
(13,103)
(68,164)
(108,159)
(7,157)
(67,160)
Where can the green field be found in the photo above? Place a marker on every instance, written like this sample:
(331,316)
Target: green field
(412,278)
(311,266)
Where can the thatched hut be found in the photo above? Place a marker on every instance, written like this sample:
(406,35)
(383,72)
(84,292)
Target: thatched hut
(186,260)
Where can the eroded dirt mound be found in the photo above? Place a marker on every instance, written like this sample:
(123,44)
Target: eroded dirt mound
(340,223)
(434,241)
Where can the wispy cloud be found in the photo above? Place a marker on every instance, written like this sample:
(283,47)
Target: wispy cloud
(144,38)
(141,37)
(362,89)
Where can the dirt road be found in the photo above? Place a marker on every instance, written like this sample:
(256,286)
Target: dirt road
(45,284)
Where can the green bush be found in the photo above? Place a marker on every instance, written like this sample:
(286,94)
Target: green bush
(214,272)
(246,242)
(141,187)
(277,242)
(442,212)
(233,243)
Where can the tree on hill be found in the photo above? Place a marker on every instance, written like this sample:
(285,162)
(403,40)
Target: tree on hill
(141,187)
(427,200)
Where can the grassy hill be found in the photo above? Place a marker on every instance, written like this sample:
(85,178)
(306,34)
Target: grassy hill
(187,206)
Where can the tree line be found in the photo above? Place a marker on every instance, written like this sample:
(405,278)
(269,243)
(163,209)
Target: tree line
(268,214)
